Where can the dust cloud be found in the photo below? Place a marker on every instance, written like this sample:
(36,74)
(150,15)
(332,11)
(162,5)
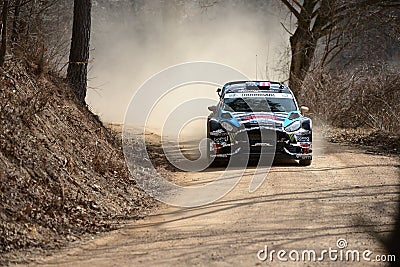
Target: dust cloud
(132,44)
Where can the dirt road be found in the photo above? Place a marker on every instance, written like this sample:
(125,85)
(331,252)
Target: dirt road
(346,193)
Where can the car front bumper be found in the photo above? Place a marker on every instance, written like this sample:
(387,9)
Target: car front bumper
(258,141)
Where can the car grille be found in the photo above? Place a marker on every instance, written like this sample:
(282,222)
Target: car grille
(276,125)
(258,136)
(252,141)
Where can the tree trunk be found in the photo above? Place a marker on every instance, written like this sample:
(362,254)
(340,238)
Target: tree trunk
(304,41)
(79,53)
(15,30)
(3,31)
(303,47)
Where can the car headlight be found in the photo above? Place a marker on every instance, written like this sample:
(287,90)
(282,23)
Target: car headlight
(293,126)
(227,126)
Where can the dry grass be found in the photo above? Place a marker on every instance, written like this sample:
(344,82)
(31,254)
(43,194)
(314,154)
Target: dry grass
(367,98)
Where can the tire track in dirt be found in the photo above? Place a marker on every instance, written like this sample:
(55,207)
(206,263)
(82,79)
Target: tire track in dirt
(344,194)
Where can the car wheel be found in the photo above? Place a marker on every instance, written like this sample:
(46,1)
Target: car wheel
(212,161)
(215,161)
(208,150)
(305,162)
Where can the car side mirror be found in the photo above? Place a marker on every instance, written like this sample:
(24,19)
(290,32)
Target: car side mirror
(304,110)
(219,91)
(212,108)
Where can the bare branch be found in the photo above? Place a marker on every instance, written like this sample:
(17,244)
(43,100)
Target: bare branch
(286,29)
(292,9)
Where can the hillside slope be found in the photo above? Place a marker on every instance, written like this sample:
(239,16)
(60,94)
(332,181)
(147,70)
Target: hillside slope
(62,172)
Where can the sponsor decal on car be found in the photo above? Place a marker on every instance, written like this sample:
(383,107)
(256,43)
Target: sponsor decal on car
(256,94)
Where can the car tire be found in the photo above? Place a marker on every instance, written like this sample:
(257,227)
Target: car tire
(208,154)
(220,162)
(213,162)
(305,162)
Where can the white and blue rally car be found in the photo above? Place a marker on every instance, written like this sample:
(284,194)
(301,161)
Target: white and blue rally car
(259,117)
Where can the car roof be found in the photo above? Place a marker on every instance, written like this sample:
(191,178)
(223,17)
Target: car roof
(255,85)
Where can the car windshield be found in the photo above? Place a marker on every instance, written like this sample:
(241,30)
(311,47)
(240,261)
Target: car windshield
(260,104)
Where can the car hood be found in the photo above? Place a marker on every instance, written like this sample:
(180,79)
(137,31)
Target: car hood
(259,117)
(276,119)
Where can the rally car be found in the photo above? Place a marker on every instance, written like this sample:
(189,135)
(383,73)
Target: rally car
(259,117)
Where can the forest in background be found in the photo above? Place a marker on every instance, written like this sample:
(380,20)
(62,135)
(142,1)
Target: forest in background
(348,54)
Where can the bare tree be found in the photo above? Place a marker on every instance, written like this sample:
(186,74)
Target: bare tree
(317,19)
(17,9)
(79,52)
(3,31)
